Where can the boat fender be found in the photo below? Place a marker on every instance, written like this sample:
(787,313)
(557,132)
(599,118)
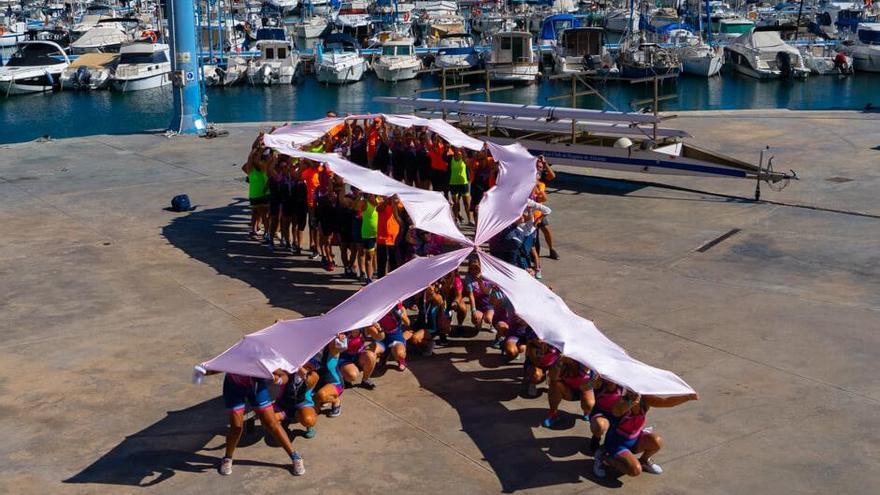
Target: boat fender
(623,143)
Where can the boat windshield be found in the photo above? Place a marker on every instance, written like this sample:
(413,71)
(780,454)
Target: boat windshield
(396,50)
(143,58)
(869,37)
(34,55)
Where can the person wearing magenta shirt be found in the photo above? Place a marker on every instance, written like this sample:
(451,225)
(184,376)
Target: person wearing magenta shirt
(627,436)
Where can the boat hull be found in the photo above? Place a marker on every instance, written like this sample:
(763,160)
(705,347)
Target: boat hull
(707,66)
(866,59)
(519,73)
(29,82)
(396,73)
(140,84)
(330,74)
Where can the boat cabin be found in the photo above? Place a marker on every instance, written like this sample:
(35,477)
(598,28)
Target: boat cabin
(582,41)
(513,47)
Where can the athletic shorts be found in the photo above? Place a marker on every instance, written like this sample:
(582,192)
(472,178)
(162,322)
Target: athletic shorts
(459,188)
(313,218)
(274,206)
(483,305)
(390,340)
(598,412)
(616,444)
(262,200)
(346,358)
(235,396)
(501,317)
(369,244)
(439,180)
(516,340)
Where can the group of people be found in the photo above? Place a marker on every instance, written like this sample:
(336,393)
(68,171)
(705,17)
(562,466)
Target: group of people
(374,235)
(615,416)
(292,198)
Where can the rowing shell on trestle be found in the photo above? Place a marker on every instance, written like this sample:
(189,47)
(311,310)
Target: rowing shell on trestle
(629,142)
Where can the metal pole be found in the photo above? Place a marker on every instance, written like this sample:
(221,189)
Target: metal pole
(488,99)
(187,117)
(573,105)
(656,104)
(442,87)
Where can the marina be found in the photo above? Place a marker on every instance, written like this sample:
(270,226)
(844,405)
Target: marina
(711,55)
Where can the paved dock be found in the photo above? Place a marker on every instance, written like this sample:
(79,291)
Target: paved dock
(108,299)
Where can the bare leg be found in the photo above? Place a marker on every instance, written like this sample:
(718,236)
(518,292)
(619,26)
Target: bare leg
(233,435)
(271,424)
(367,361)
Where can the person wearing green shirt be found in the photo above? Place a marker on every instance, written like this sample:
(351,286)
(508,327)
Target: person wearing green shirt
(459,185)
(369,230)
(256,168)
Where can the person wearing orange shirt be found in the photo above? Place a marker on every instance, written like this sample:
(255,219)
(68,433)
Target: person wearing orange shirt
(437,152)
(545,175)
(311,176)
(375,133)
(386,236)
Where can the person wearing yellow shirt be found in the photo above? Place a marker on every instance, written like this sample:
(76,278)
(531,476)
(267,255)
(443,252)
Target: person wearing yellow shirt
(459,186)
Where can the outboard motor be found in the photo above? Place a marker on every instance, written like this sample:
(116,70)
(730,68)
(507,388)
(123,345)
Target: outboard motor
(82,77)
(783,62)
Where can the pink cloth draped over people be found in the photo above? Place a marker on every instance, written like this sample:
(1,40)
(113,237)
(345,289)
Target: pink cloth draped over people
(289,344)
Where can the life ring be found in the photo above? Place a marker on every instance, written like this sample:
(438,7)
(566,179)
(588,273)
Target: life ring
(151,35)
(2,30)
(406,17)
(753,15)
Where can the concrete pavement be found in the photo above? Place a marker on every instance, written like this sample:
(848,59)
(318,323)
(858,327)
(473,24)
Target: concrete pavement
(107,301)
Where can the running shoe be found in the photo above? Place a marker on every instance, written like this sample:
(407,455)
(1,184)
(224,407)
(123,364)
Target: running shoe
(443,339)
(401,365)
(554,255)
(551,420)
(649,466)
(335,411)
(311,431)
(297,250)
(368,384)
(368,281)
(226,466)
(496,344)
(599,463)
(314,255)
(539,275)
(299,467)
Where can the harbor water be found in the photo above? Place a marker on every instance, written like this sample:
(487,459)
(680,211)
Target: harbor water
(70,114)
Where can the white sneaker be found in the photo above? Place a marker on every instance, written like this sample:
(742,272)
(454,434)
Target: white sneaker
(598,466)
(299,467)
(226,466)
(649,466)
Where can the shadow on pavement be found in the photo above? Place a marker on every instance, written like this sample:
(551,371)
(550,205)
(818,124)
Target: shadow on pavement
(218,238)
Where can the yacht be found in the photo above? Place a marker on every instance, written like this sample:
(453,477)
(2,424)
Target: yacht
(142,65)
(697,57)
(354,19)
(579,49)
(311,27)
(456,51)
(513,58)
(865,48)
(398,61)
(90,18)
(276,63)
(105,37)
(339,61)
(90,71)
(730,28)
(642,59)
(35,67)
(763,55)
(229,73)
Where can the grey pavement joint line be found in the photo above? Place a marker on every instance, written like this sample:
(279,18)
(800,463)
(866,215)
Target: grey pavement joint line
(733,354)
(427,433)
(165,162)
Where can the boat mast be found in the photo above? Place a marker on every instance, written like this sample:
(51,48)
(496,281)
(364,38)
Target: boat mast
(708,22)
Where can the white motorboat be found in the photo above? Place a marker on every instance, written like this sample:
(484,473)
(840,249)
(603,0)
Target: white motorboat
(142,65)
(311,27)
(620,20)
(456,51)
(90,71)
(276,64)
(700,60)
(90,18)
(34,68)
(825,61)
(105,37)
(354,18)
(865,49)
(284,5)
(228,74)
(579,49)
(398,61)
(513,58)
(763,55)
(12,33)
(339,61)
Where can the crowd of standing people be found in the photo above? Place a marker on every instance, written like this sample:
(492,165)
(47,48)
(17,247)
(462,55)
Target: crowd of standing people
(374,235)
